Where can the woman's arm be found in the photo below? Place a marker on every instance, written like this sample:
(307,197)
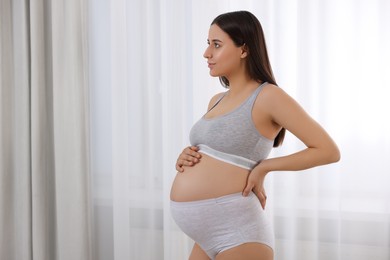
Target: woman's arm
(286,112)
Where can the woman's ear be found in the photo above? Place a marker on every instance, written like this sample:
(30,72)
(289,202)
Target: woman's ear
(244,51)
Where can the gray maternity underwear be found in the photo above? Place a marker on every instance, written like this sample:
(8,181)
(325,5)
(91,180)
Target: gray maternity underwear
(222,223)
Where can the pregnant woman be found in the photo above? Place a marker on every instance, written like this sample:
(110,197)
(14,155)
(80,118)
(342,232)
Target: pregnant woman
(217,197)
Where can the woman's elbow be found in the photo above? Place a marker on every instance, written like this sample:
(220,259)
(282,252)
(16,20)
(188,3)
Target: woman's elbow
(334,154)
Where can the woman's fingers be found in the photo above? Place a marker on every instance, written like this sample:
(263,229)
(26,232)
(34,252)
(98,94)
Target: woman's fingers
(194,148)
(259,194)
(179,166)
(187,160)
(188,157)
(248,189)
(262,197)
(193,151)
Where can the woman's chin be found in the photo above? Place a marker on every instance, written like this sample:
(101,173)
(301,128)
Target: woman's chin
(213,74)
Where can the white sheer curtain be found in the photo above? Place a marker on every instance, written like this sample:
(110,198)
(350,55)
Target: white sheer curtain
(149,83)
(44,138)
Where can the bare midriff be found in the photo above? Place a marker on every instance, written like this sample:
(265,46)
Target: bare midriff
(209,178)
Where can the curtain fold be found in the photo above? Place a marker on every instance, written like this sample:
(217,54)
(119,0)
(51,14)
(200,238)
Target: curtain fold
(45,212)
(15,158)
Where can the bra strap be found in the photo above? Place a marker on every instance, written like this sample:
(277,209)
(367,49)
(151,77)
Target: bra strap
(216,103)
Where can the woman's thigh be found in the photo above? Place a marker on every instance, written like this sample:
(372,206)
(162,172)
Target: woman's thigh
(247,251)
(197,253)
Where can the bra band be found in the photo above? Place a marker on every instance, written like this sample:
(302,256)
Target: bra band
(228,158)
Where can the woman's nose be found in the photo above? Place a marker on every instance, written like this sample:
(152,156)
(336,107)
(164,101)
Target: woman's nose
(207,53)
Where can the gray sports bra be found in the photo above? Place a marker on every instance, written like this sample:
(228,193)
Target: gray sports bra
(232,137)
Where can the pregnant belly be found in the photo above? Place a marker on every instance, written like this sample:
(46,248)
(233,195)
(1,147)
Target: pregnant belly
(210,178)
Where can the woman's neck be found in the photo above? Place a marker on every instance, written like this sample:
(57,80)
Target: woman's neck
(239,84)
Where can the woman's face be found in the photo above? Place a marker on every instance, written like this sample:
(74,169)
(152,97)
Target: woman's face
(224,58)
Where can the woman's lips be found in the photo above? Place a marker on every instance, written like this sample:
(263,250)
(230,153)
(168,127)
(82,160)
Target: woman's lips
(211,65)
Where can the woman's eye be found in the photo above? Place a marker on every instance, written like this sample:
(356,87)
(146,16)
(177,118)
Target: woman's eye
(216,45)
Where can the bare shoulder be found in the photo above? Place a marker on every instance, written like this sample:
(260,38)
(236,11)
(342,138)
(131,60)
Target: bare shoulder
(273,92)
(214,99)
(279,104)
(272,96)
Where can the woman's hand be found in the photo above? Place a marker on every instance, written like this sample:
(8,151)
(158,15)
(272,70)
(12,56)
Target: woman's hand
(188,157)
(255,183)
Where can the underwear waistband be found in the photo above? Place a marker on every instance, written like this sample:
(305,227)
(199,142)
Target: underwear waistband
(211,201)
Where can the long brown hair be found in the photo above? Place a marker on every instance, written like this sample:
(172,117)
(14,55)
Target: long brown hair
(245,29)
